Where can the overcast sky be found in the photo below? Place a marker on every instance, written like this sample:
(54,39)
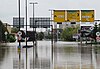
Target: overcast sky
(9,8)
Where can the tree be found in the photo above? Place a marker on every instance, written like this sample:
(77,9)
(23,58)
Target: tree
(11,38)
(2,31)
(67,34)
(40,35)
(63,35)
(14,30)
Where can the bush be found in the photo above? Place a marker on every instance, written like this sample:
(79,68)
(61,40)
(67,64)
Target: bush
(11,38)
(49,36)
(40,35)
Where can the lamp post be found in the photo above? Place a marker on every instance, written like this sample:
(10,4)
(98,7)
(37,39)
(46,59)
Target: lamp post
(52,47)
(51,25)
(51,13)
(19,30)
(33,3)
(34,37)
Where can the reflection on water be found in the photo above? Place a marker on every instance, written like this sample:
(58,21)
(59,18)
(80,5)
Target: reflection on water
(65,57)
(4,51)
(16,63)
(40,64)
(77,57)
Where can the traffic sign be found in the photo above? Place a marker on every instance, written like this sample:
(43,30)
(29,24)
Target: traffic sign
(97,33)
(19,38)
(59,15)
(97,38)
(73,15)
(91,28)
(6,33)
(19,33)
(87,15)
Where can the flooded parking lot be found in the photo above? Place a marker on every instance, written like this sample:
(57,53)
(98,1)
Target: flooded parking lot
(65,56)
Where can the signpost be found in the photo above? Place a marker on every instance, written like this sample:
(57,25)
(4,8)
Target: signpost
(19,38)
(97,33)
(19,35)
(98,36)
(91,28)
(98,39)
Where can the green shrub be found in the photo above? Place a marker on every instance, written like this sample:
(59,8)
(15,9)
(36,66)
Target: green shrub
(40,35)
(11,38)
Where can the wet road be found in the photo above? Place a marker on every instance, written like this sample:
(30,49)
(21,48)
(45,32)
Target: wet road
(66,55)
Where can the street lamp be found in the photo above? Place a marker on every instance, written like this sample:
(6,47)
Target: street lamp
(33,3)
(52,48)
(51,13)
(34,37)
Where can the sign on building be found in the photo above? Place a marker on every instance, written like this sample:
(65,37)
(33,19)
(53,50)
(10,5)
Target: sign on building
(59,15)
(40,22)
(73,16)
(16,22)
(87,15)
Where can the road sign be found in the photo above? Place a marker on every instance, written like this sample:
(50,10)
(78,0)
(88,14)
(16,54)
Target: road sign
(98,39)
(19,38)
(97,33)
(91,28)
(59,15)
(6,33)
(73,15)
(87,15)
(19,33)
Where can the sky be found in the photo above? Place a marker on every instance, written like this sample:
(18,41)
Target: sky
(9,8)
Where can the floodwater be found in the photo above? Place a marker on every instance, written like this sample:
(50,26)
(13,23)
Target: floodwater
(65,55)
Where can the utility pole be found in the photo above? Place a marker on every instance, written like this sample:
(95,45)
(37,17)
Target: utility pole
(51,25)
(52,34)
